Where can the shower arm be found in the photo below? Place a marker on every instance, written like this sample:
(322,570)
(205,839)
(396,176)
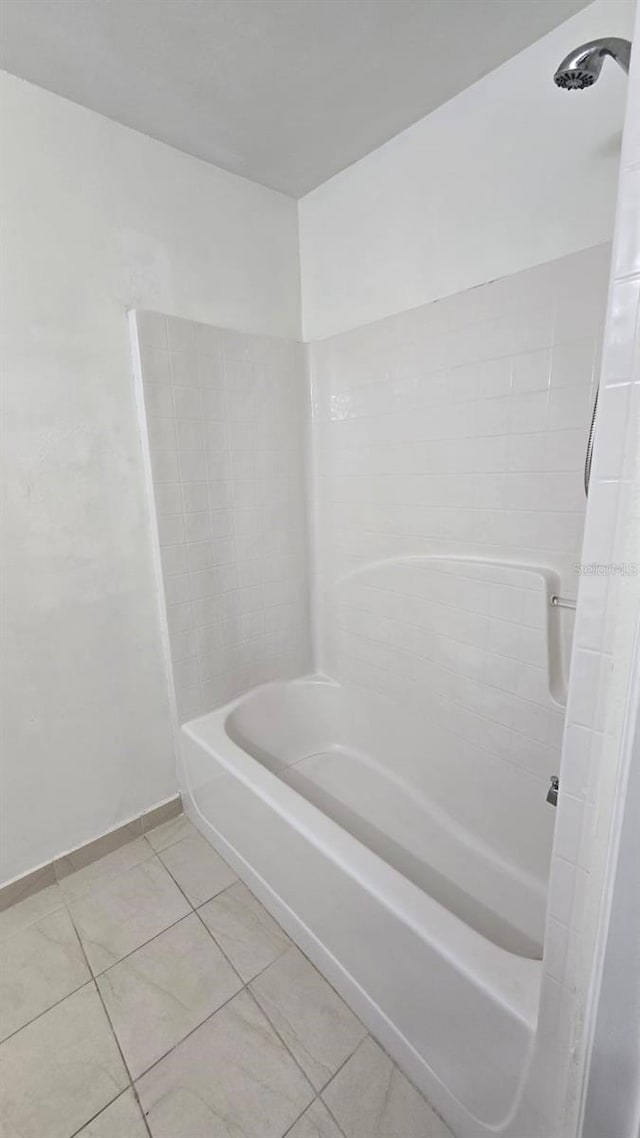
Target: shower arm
(614,47)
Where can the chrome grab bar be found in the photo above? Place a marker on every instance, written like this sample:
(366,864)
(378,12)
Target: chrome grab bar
(561,602)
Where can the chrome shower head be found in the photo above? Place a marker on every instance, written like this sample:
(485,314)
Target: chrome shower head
(583,65)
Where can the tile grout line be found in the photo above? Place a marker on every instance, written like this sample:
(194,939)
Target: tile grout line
(128,1072)
(247,986)
(328,1108)
(244,986)
(93,977)
(117,1041)
(35,1019)
(307,1108)
(51,864)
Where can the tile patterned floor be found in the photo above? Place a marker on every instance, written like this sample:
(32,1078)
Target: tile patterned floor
(150,993)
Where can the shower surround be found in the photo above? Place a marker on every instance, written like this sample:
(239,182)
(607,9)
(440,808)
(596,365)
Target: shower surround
(400,788)
(226,421)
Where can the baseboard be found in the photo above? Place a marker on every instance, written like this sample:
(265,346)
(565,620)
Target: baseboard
(60,867)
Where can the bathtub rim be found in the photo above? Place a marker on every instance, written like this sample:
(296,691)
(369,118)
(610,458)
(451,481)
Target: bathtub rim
(513,981)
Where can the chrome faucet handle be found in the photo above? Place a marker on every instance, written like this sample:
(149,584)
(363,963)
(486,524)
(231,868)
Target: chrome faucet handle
(552,793)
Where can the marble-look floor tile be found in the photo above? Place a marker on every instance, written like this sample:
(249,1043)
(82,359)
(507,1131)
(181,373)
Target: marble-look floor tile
(371,1098)
(39,966)
(171,832)
(126,912)
(122,1119)
(60,1070)
(91,877)
(316,1122)
(231,1077)
(32,909)
(315,1023)
(244,929)
(161,992)
(198,869)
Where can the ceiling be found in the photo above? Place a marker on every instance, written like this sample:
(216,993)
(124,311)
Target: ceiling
(285,92)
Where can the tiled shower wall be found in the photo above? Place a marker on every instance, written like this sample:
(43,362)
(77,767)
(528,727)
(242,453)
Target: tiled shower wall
(226,417)
(459,428)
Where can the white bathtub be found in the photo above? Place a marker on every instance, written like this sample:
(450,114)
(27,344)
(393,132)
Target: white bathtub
(361,837)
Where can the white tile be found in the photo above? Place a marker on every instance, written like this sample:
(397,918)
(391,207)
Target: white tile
(180,618)
(584,683)
(186,673)
(569,825)
(174,559)
(194,497)
(127,911)
(168,498)
(189,435)
(231,1077)
(60,1070)
(187,403)
(555,950)
(164,990)
(162,434)
(200,555)
(152,329)
(164,465)
(562,884)
(198,869)
(613,414)
(531,371)
(315,1023)
(628,224)
(572,361)
(316,1122)
(204,583)
(155,364)
(171,529)
(184,369)
(181,334)
(190,703)
(529,412)
(197,526)
(244,930)
(121,1119)
(176,589)
(40,965)
(371,1098)
(158,398)
(193,465)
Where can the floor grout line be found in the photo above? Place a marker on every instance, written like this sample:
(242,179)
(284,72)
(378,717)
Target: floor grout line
(244,986)
(115,1036)
(35,1019)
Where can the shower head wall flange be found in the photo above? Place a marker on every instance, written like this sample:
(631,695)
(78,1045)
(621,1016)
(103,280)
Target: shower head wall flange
(583,65)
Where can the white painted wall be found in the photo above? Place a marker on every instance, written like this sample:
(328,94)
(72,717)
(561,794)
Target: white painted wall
(98,218)
(509,174)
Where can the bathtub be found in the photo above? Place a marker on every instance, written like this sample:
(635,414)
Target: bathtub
(348,823)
